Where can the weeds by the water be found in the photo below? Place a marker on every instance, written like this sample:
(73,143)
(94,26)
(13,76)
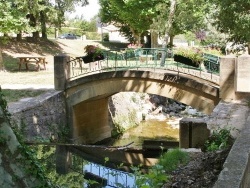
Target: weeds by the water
(158,174)
(220,139)
(172,159)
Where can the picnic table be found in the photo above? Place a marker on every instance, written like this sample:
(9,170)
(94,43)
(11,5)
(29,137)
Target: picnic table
(38,60)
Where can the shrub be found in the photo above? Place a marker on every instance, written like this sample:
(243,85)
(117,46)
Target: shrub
(220,139)
(172,159)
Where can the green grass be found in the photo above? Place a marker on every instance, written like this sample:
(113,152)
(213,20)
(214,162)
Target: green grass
(172,159)
(10,63)
(15,95)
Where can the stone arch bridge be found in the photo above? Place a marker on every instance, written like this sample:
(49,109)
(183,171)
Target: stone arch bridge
(87,96)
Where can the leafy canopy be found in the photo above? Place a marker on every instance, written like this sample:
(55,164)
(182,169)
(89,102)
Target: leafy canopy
(232,17)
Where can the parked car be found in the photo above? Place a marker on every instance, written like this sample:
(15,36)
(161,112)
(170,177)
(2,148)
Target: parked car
(67,36)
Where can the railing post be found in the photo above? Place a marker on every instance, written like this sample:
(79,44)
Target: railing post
(61,71)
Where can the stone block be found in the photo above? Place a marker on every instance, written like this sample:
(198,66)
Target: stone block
(227,77)
(243,73)
(193,133)
(184,133)
(200,133)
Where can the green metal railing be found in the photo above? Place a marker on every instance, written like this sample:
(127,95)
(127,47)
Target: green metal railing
(143,58)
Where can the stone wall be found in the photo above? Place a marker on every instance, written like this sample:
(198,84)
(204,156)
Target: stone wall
(15,168)
(42,117)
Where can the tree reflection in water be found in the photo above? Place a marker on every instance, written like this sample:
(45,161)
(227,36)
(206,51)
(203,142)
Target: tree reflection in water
(47,157)
(75,177)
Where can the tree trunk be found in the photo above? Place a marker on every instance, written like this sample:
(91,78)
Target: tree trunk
(248,45)
(19,36)
(56,32)
(168,27)
(35,36)
(1,60)
(43,25)
(154,39)
(171,41)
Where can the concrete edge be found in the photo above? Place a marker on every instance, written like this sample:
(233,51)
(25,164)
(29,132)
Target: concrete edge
(235,172)
(31,103)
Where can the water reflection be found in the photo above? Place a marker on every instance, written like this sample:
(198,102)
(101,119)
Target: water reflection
(150,130)
(115,178)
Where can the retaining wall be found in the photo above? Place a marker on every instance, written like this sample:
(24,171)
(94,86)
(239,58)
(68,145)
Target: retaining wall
(40,118)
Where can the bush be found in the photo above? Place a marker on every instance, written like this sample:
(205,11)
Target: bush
(172,159)
(93,36)
(220,139)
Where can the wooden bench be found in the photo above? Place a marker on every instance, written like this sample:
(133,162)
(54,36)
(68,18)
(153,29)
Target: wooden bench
(38,60)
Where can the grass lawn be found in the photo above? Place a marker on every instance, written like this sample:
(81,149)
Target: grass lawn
(12,78)
(15,95)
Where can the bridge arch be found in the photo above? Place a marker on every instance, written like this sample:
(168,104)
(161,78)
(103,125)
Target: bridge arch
(87,97)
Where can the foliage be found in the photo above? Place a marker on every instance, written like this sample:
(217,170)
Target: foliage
(158,173)
(4,106)
(96,51)
(236,25)
(118,12)
(195,54)
(172,159)
(17,15)
(12,19)
(188,16)
(46,156)
(26,157)
(156,177)
(93,35)
(220,139)
(215,40)
(213,50)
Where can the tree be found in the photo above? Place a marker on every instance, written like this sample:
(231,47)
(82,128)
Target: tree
(12,20)
(17,15)
(232,17)
(133,14)
(166,17)
(188,16)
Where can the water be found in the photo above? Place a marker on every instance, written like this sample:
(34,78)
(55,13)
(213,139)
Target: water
(114,177)
(149,130)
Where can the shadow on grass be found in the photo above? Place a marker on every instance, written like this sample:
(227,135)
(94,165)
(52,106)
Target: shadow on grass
(114,45)
(16,95)
(41,47)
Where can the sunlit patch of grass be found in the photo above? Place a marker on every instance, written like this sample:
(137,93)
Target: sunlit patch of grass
(15,95)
